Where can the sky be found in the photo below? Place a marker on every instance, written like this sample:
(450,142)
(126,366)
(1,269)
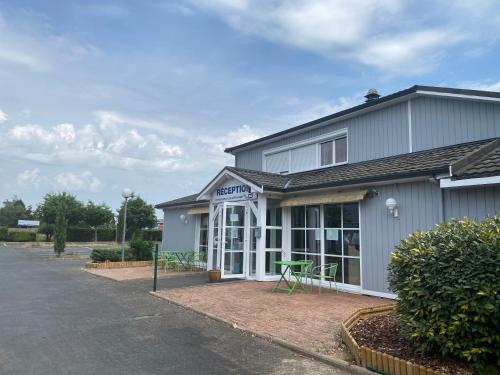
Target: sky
(101,95)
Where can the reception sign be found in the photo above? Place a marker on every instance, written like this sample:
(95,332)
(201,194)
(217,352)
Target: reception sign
(233,191)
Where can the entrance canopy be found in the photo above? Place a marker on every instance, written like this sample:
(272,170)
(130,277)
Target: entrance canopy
(228,186)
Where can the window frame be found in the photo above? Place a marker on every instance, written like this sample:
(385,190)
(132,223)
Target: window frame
(334,152)
(325,258)
(317,141)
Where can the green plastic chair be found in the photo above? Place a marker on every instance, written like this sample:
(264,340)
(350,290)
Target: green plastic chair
(168,260)
(306,271)
(327,272)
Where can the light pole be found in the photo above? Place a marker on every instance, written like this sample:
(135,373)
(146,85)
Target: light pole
(126,194)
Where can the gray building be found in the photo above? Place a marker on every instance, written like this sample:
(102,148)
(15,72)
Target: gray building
(348,187)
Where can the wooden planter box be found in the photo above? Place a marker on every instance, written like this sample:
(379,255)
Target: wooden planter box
(373,359)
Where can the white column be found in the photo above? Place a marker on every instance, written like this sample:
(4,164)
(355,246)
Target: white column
(286,234)
(261,242)
(210,236)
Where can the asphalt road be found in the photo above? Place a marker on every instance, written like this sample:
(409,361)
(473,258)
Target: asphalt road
(57,319)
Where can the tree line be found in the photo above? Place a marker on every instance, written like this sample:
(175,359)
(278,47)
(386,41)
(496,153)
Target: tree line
(64,210)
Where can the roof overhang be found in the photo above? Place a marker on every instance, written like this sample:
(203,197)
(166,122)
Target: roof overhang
(222,177)
(448,183)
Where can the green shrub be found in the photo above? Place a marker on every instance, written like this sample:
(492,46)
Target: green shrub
(110,254)
(79,234)
(4,234)
(141,249)
(22,236)
(106,234)
(448,280)
(151,234)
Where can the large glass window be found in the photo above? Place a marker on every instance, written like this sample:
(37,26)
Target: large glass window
(203,247)
(274,228)
(306,234)
(341,231)
(234,239)
(340,235)
(216,237)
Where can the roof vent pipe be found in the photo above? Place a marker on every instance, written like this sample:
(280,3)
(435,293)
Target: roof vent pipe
(372,94)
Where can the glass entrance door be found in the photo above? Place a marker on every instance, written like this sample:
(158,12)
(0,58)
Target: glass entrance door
(234,244)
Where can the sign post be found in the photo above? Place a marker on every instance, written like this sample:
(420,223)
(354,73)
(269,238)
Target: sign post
(155,276)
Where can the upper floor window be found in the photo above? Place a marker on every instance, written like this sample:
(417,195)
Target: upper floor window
(325,150)
(334,151)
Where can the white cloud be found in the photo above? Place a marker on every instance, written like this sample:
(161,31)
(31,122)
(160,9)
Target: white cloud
(481,85)
(3,116)
(84,181)
(29,177)
(32,44)
(384,33)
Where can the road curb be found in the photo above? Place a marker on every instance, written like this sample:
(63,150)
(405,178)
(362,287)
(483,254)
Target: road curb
(338,363)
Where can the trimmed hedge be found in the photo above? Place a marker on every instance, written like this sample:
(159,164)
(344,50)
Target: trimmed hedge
(448,280)
(16,236)
(78,234)
(106,234)
(4,234)
(110,254)
(151,234)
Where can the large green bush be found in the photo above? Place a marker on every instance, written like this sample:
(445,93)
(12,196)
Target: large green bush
(110,254)
(141,250)
(448,283)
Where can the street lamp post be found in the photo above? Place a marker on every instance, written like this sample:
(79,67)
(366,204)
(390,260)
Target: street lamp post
(126,194)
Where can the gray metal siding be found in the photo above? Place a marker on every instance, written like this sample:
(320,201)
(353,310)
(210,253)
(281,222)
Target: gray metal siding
(440,122)
(419,209)
(278,162)
(176,234)
(377,134)
(475,203)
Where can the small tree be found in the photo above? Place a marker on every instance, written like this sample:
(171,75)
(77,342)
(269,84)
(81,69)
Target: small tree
(140,215)
(60,228)
(97,215)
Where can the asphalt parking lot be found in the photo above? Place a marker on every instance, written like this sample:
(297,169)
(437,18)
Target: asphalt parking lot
(57,319)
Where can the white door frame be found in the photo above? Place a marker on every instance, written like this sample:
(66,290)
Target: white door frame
(246,243)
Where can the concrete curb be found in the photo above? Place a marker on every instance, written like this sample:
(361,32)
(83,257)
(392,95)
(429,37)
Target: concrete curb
(338,363)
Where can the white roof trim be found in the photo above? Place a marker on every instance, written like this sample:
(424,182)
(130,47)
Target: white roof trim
(447,183)
(220,178)
(462,96)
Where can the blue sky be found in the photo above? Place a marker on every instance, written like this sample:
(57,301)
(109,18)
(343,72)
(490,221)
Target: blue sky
(100,95)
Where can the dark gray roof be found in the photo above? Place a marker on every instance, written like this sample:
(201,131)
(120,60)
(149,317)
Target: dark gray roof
(184,201)
(416,164)
(371,103)
(487,166)
(422,163)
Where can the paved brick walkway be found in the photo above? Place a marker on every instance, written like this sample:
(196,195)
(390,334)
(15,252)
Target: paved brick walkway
(309,320)
(134,273)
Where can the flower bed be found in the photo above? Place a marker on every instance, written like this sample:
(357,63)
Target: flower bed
(369,335)
(134,263)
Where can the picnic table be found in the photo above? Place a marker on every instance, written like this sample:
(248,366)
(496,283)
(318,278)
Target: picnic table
(289,271)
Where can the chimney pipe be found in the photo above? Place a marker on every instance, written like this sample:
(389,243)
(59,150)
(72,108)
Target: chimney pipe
(372,94)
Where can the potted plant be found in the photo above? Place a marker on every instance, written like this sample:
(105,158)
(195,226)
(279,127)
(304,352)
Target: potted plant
(214,275)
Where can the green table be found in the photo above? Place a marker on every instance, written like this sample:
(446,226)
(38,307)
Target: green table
(288,270)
